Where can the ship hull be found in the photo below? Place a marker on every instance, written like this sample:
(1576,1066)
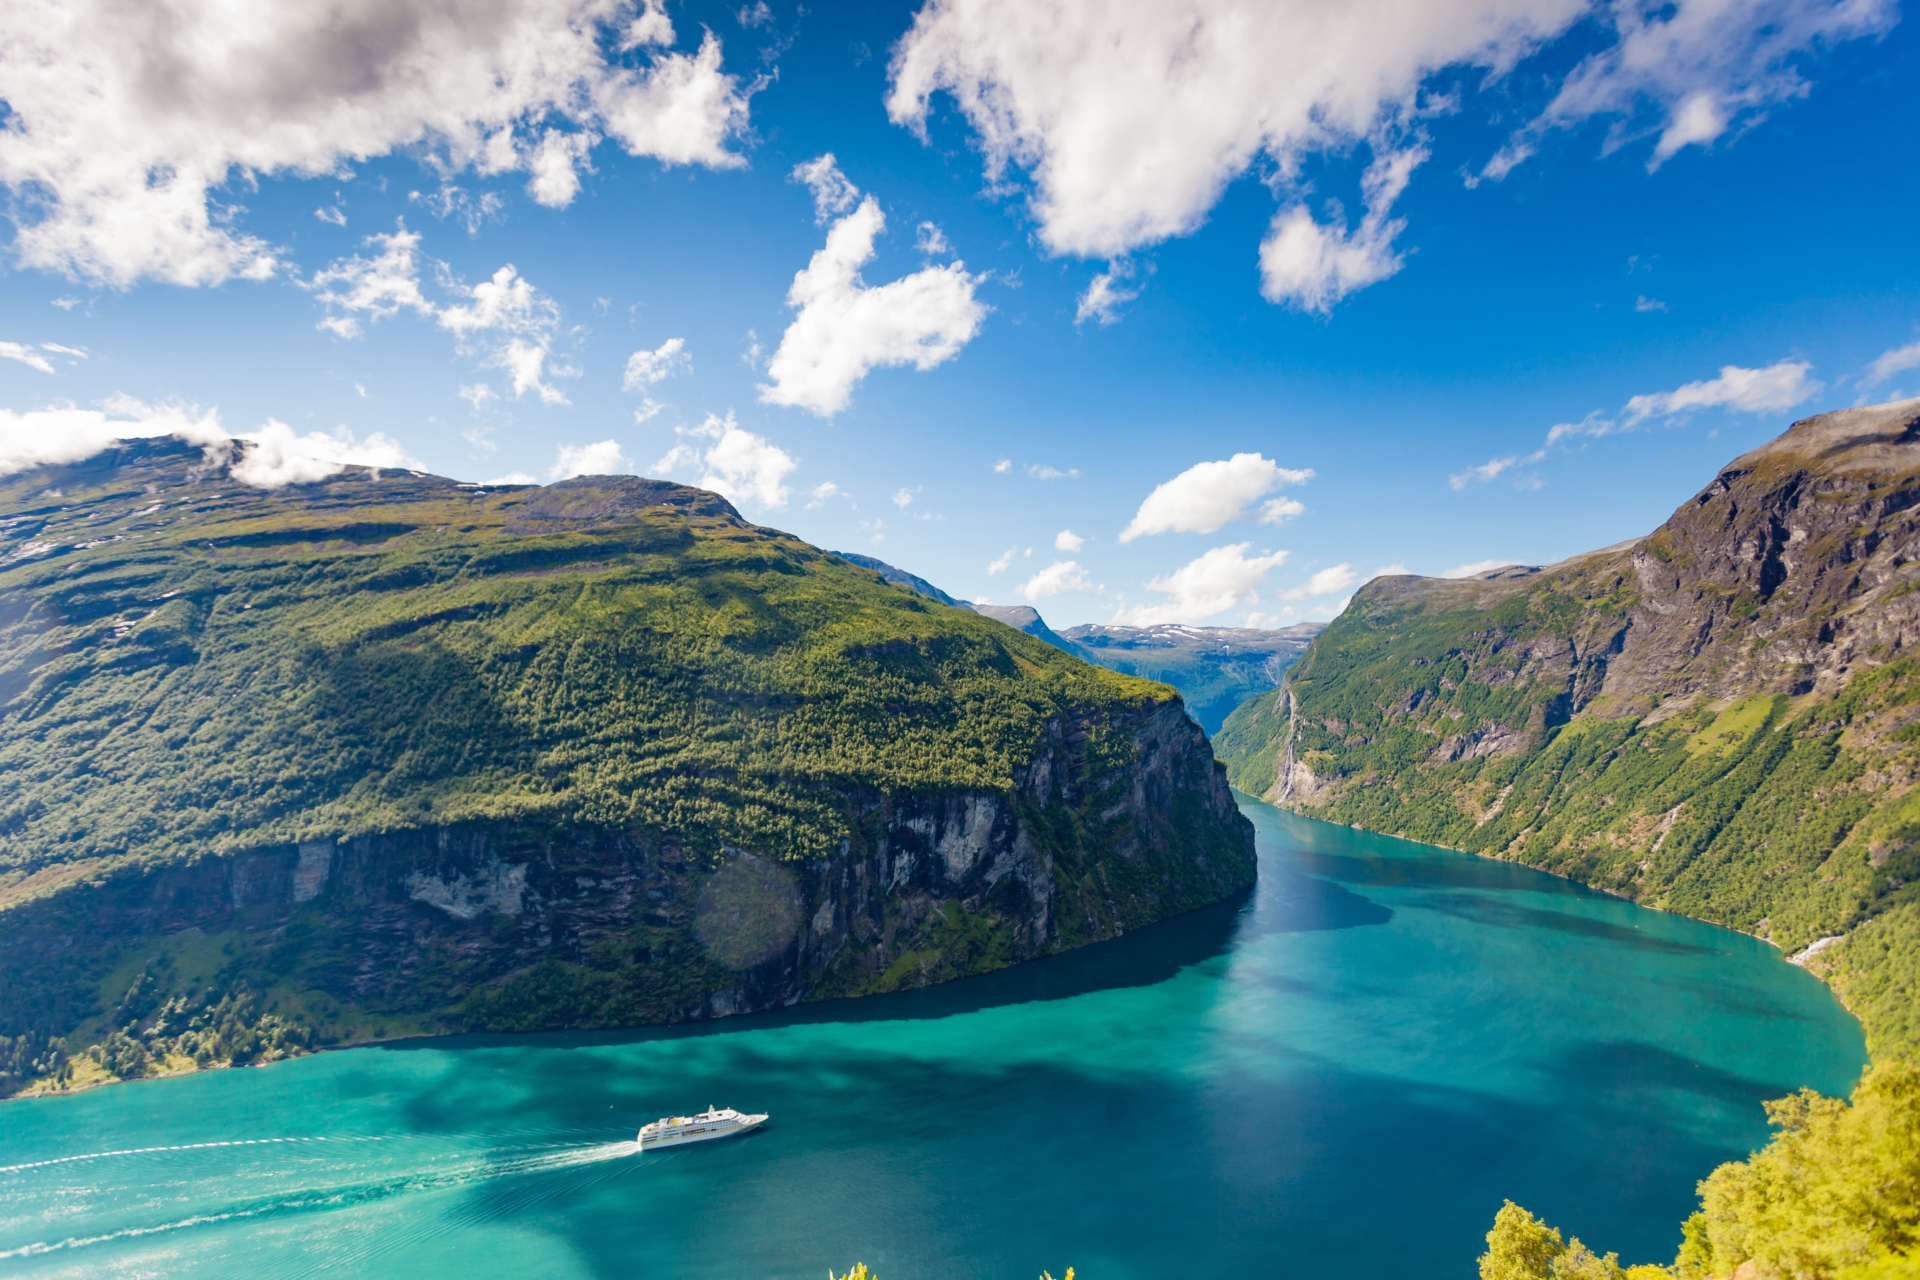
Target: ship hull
(653,1142)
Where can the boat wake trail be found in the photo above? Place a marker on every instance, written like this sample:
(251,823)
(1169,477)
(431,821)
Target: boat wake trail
(321,1184)
(146,1151)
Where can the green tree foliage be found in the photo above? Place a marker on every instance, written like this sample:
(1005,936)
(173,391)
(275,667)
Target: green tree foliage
(1429,720)
(187,666)
(1520,1246)
(191,668)
(1834,1196)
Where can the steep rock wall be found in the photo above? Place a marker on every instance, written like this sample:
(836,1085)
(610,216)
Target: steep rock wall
(1722,718)
(518,927)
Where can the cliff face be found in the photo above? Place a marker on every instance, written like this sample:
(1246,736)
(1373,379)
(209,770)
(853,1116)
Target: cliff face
(1719,718)
(389,755)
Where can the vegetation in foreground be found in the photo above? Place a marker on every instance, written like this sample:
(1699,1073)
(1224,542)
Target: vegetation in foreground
(1834,1196)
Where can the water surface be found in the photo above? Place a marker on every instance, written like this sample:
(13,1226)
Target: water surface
(1341,1074)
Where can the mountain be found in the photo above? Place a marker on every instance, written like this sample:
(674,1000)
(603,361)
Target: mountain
(1721,718)
(1214,668)
(386,754)
(1026,618)
(901,578)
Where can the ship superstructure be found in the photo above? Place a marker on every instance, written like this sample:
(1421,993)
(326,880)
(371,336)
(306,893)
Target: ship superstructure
(672,1131)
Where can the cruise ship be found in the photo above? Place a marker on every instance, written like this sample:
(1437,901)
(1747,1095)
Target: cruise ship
(671,1131)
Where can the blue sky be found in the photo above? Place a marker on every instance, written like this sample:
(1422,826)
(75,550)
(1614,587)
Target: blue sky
(1710,234)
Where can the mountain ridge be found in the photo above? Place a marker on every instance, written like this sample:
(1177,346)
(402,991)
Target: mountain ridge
(1719,718)
(1214,668)
(385,754)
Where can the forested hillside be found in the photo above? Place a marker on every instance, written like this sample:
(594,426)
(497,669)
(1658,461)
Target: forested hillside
(388,753)
(1722,718)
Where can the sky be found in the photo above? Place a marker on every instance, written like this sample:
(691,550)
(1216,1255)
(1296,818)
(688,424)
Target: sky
(1142,311)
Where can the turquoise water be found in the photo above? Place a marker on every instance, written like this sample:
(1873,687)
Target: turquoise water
(1340,1075)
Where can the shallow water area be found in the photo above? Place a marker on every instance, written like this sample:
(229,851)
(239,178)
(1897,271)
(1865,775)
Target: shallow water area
(1339,1075)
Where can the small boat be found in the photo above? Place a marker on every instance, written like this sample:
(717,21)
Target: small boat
(671,1131)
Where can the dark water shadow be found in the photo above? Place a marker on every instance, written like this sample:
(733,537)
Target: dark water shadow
(1618,1072)
(1144,958)
(1294,903)
(1438,868)
(1493,911)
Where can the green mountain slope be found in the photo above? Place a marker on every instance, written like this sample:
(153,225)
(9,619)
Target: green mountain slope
(387,753)
(1722,718)
(1215,669)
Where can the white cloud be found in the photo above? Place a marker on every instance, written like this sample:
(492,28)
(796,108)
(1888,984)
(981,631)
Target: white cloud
(646,368)
(647,410)
(273,455)
(1594,424)
(1058,577)
(1106,294)
(65,433)
(1328,582)
(452,201)
(1132,116)
(1898,360)
(377,287)
(1694,70)
(833,193)
(504,320)
(999,565)
(511,325)
(845,328)
(733,461)
(1393,570)
(1306,265)
(1281,510)
(505,302)
(1003,466)
(279,456)
(930,240)
(26,355)
(1206,496)
(478,394)
(513,477)
(601,458)
(823,493)
(128,125)
(78,353)
(1040,471)
(1482,473)
(1068,541)
(333,214)
(1210,584)
(1472,567)
(903,497)
(1644,303)
(1769,390)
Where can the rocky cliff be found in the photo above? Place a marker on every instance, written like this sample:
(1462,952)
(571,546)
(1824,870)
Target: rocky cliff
(1722,718)
(385,754)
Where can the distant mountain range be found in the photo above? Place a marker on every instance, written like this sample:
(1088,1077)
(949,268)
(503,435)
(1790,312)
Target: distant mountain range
(1214,668)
